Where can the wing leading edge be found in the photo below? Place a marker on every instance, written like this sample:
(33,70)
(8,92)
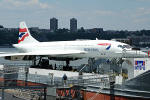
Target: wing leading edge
(44,53)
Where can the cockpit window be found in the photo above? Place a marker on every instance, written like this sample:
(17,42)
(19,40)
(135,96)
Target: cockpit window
(127,46)
(120,46)
(124,46)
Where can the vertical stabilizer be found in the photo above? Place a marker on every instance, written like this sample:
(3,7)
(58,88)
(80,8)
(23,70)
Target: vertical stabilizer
(24,34)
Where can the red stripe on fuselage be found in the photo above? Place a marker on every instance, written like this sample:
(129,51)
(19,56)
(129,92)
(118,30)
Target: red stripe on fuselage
(22,39)
(23,30)
(104,44)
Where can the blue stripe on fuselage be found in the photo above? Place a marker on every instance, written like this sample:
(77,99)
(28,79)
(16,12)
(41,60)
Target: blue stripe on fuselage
(108,47)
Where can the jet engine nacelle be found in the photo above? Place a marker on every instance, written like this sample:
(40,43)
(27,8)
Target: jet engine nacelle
(18,58)
(14,58)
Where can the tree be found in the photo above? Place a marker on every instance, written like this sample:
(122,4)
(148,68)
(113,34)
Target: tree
(1,26)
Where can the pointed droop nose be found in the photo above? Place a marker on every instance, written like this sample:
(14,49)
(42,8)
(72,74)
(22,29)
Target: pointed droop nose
(141,53)
(136,53)
(144,54)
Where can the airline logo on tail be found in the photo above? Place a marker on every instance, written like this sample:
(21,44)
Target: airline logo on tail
(22,34)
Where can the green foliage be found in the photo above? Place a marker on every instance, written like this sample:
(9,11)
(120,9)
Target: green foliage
(8,37)
(1,26)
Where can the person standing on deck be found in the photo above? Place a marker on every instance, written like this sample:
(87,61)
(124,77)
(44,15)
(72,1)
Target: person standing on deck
(65,79)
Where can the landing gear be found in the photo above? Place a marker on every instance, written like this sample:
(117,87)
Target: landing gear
(39,62)
(43,62)
(35,59)
(91,62)
(67,67)
(67,63)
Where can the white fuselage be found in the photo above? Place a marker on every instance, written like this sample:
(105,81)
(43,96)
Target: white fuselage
(92,48)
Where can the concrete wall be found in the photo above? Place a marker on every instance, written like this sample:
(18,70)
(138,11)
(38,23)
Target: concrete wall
(51,93)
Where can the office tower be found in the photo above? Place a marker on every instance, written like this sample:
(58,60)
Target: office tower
(53,24)
(73,25)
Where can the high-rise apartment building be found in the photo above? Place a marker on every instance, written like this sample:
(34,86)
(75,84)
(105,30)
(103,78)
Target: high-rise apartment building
(53,24)
(73,25)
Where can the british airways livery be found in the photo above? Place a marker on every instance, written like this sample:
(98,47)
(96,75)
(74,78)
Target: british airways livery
(70,50)
(106,44)
(22,34)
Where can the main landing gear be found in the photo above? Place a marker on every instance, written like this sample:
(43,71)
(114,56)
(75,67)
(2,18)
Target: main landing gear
(43,62)
(39,62)
(67,67)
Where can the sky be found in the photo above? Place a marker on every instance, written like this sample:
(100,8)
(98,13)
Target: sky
(108,14)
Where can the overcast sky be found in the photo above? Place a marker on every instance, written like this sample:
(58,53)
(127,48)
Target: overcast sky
(108,14)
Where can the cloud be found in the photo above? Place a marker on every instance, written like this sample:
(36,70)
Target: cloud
(143,11)
(23,3)
(139,16)
(141,20)
(103,12)
(144,0)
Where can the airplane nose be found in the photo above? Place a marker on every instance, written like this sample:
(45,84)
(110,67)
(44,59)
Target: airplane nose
(143,54)
(136,54)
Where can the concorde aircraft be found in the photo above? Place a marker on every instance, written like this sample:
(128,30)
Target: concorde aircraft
(29,47)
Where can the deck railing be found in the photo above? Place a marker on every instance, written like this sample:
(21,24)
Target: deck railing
(9,75)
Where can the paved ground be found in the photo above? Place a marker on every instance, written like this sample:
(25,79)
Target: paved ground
(8,96)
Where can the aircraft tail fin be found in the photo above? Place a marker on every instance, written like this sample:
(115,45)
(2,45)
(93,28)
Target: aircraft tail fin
(24,34)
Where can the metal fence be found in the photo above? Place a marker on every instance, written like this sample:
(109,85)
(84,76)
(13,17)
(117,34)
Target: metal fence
(12,73)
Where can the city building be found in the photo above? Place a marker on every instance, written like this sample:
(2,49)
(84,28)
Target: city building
(35,29)
(95,30)
(9,29)
(73,25)
(53,24)
(124,40)
(140,41)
